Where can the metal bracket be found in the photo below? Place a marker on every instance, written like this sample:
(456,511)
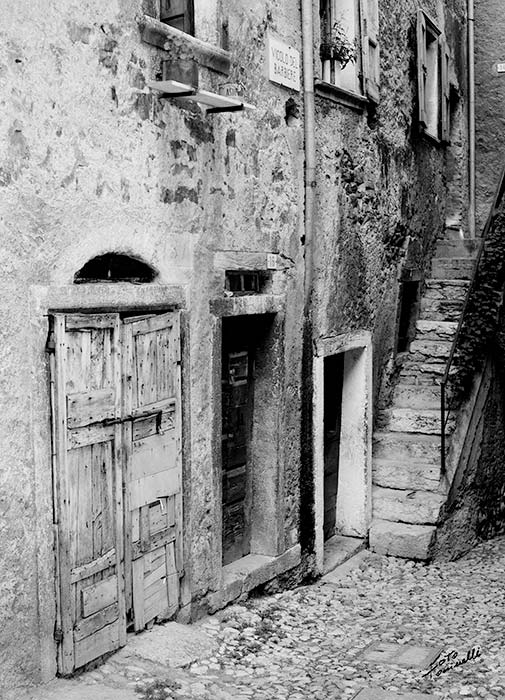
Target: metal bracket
(231,108)
(185,93)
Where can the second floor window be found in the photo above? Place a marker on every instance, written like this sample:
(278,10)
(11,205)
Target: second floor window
(433,60)
(349,46)
(176,13)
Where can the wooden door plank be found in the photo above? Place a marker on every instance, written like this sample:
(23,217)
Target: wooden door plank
(138,593)
(89,407)
(117,485)
(60,419)
(153,455)
(94,567)
(99,595)
(82,321)
(103,641)
(93,623)
(159,539)
(152,488)
(172,575)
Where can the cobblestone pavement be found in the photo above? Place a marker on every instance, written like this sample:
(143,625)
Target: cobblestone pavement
(308,642)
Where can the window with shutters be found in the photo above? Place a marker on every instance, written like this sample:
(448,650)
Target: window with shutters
(349,47)
(433,59)
(176,13)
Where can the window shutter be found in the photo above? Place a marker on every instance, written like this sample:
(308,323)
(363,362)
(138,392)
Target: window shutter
(445,92)
(422,68)
(370,59)
(178,14)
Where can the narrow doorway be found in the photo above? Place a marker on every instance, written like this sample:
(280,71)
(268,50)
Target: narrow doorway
(342,422)
(237,401)
(333,383)
(248,444)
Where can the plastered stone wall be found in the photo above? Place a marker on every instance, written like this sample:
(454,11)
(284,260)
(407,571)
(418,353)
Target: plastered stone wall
(384,191)
(490,100)
(90,162)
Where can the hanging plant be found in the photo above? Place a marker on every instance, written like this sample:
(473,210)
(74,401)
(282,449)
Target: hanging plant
(337,46)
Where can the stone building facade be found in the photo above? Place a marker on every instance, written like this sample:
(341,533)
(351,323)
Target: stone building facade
(211,280)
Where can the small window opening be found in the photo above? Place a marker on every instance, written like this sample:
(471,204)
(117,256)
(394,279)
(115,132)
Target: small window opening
(245,282)
(113,267)
(409,309)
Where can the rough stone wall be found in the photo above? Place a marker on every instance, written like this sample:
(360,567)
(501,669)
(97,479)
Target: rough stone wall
(384,192)
(91,161)
(476,510)
(490,98)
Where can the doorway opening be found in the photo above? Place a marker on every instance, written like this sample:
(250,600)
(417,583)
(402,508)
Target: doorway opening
(117,470)
(342,447)
(248,450)
(333,383)
(409,311)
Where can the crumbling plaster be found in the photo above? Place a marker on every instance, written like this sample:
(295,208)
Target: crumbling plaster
(91,161)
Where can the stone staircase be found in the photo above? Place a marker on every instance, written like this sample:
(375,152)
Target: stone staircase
(408,491)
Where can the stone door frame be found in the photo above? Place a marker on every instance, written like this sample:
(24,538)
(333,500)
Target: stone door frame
(354,498)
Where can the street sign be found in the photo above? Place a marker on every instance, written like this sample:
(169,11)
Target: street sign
(283,63)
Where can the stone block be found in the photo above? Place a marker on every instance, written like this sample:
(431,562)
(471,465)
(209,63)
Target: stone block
(452,268)
(379,694)
(407,506)
(413,396)
(401,539)
(425,350)
(402,474)
(408,420)
(436,330)
(406,446)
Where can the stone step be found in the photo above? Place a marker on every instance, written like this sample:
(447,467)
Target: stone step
(445,289)
(416,396)
(436,330)
(406,474)
(436,309)
(462,248)
(402,540)
(406,446)
(429,350)
(452,268)
(406,506)
(422,373)
(411,420)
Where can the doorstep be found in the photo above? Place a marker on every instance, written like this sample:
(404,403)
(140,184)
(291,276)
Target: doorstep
(244,575)
(339,549)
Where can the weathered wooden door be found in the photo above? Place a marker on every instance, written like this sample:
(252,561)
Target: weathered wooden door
(117,431)
(237,397)
(153,465)
(87,398)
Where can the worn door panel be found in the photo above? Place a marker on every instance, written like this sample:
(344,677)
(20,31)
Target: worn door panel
(88,481)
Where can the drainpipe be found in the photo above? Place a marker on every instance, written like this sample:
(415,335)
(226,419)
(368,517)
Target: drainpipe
(310,146)
(471,119)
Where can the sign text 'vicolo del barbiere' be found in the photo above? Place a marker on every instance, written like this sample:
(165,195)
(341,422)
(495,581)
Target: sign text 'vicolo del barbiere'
(283,63)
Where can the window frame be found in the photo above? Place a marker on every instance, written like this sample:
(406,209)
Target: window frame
(433,86)
(158,9)
(367,64)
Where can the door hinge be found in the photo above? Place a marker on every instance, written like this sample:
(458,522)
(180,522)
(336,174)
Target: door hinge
(58,634)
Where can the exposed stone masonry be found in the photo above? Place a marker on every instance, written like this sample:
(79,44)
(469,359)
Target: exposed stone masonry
(409,489)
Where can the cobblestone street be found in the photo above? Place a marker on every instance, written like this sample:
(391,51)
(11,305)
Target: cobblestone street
(309,642)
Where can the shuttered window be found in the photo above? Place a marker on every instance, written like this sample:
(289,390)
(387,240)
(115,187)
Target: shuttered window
(433,87)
